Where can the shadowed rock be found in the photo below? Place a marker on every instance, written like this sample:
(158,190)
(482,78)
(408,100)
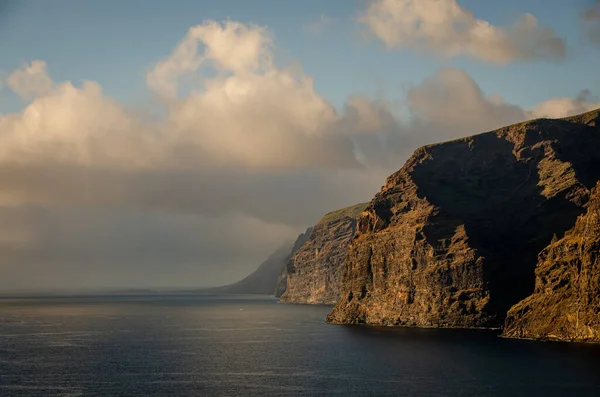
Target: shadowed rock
(566,301)
(453,237)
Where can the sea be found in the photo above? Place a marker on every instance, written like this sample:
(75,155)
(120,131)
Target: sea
(184,345)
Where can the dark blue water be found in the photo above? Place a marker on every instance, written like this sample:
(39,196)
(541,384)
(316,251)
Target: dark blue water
(243,346)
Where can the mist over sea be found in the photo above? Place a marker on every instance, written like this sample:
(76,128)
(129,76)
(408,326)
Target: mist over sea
(157,345)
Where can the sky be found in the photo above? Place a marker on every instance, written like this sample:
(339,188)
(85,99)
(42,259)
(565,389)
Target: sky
(177,144)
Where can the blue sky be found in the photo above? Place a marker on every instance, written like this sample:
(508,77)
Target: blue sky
(115,42)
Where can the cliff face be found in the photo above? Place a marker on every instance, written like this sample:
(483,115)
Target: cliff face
(452,239)
(566,301)
(282,271)
(314,272)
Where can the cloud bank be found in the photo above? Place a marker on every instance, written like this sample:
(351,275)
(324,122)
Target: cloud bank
(444,27)
(241,156)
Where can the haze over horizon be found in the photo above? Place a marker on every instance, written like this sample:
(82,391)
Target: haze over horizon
(178,145)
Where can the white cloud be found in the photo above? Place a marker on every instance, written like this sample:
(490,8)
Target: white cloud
(69,124)
(267,119)
(249,112)
(32,81)
(244,112)
(253,150)
(444,27)
(451,103)
(230,47)
(563,107)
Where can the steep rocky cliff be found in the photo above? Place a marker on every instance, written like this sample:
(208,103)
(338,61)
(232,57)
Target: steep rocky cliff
(314,272)
(566,301)
(453,237)
(282,272)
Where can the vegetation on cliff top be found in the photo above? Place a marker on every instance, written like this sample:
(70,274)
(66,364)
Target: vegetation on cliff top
(351,212)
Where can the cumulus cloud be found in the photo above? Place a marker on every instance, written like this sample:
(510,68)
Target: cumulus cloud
(453,102)
(264,115)
(31,81)
(591,22)
(247,113)
(252,145)
(444,27)
(229,47)
(70,124)
(231,168)
(563,107)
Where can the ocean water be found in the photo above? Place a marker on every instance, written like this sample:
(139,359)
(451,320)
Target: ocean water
(254,346)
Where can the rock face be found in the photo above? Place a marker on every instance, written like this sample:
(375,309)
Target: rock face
(453,237)
(282,272)
(566,301)
(314,272)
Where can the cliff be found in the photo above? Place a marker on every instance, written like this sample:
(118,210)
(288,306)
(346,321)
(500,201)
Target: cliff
(282,271)
(314,272)
(566,301)
(452,238)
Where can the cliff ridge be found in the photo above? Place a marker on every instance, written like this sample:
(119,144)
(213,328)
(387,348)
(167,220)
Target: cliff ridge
(453,237)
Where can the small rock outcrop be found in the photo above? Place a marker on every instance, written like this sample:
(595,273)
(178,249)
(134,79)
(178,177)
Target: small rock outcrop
(314,272)
(453,237)
(566,301)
